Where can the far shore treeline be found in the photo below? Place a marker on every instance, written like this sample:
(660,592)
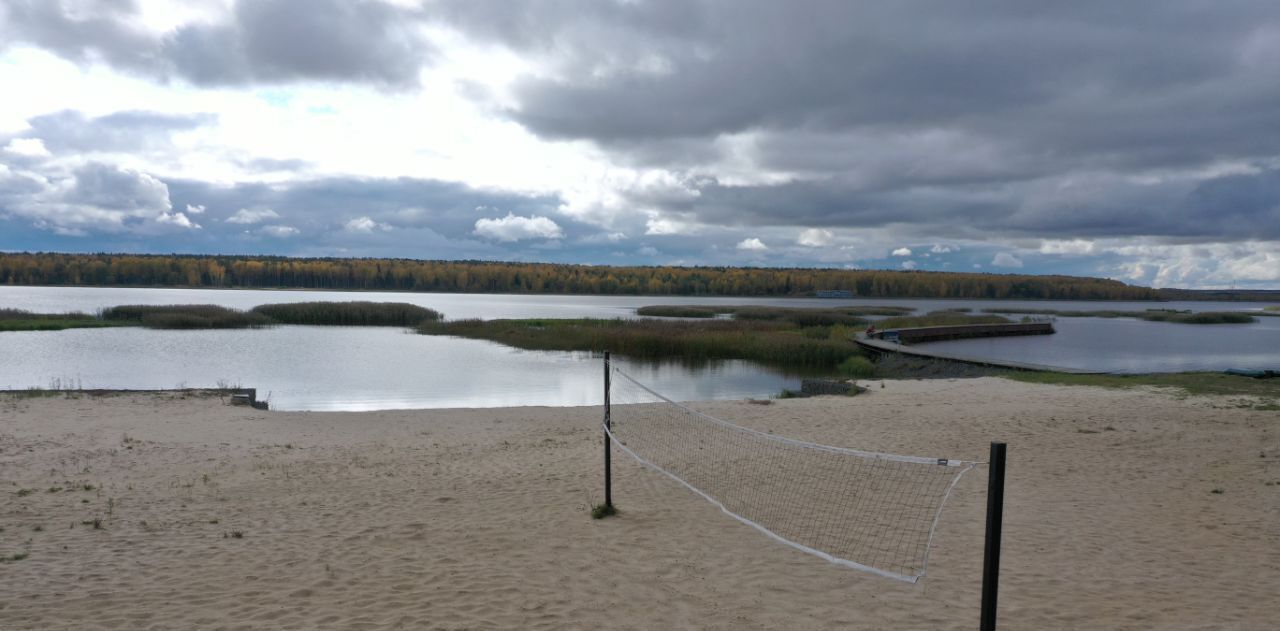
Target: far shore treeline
(134,270)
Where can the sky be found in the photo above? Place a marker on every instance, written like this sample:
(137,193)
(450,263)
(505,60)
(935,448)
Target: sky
(1135,141)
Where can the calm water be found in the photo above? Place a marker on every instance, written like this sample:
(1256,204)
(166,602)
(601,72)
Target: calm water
(1132,346)
(348,368)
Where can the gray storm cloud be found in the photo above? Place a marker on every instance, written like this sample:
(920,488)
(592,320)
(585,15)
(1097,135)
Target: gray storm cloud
(808,124)
(263,41)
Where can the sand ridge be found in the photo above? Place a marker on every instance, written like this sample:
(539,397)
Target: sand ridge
(477,519)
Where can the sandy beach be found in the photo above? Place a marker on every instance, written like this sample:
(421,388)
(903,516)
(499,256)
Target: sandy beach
(1125,509)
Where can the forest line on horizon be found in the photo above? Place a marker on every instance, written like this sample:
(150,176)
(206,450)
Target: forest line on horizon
(378,274)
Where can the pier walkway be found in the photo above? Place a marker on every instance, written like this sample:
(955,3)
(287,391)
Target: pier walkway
(879,345)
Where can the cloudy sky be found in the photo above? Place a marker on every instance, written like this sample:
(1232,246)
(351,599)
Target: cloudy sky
(1125,140)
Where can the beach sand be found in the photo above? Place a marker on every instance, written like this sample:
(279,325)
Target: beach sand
(478,519)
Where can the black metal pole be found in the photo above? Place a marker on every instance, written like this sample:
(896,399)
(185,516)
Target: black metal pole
(995,519)
(608,467)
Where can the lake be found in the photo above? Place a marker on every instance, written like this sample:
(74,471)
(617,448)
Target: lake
(352,368)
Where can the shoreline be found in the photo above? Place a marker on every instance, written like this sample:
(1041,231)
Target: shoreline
(477,517)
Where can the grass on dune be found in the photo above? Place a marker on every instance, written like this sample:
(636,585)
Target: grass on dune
(356,313)
(767,341)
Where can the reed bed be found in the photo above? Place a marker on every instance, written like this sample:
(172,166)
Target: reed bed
(1204,317)
(20,320)
(799,316)
(767,341)
(185,317)
(939,318)
(358,313)
(1151,315)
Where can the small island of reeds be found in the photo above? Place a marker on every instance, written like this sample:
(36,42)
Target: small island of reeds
(1151,315)
(360,313)
(815,316)
(820,339)
(356,313)
(185,317)
(19,320)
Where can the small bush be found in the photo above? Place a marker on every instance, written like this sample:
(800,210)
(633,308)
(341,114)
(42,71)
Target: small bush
(600,511)
(858,368)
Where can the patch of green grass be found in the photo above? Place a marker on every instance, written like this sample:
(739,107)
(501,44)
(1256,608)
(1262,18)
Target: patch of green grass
(24,492)
(774,342)
(356,313)
(600,511)
(858,368)
(1189,383)
(17,556)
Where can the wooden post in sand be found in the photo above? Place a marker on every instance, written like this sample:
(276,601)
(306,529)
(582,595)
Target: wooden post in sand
(608,468)
(995,519)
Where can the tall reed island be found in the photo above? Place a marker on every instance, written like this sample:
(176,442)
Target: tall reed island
(360,313)
(821,340)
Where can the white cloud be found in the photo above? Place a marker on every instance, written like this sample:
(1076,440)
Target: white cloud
(515,228)
(752,244)
(659,226)
(908,265)
(604,237)
(1073,246)
(902,252)
(648,250)
(29,147)
(1004,259)
(280,231)
(252,215)
(815,238)
(365,225)
(177,219)
(197,209)
(938,248)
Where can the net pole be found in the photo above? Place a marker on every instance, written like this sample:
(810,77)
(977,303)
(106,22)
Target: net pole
(995,519)
(608,466)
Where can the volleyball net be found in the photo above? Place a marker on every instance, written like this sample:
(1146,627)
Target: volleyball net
(871,511)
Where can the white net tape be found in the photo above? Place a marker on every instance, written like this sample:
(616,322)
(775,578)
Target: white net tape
(870,511)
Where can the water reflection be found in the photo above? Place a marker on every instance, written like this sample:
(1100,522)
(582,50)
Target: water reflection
(349,368)
(1135,346)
